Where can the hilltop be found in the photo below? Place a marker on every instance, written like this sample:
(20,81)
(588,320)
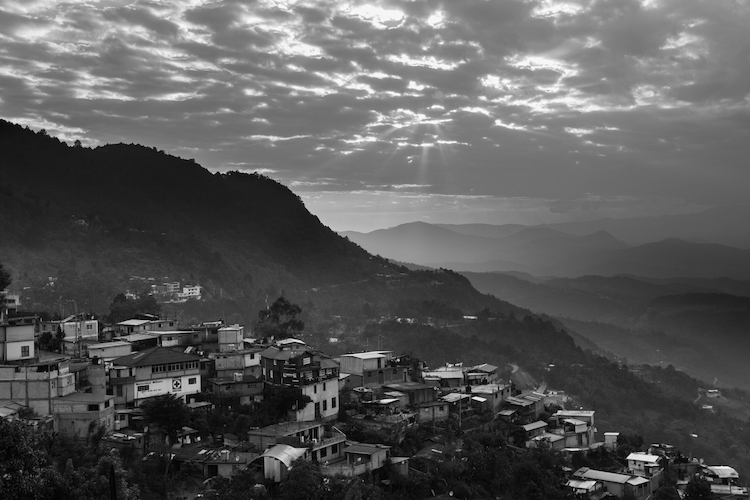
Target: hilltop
(83,224)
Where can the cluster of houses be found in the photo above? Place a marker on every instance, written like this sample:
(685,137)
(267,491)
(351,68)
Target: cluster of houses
(94,384)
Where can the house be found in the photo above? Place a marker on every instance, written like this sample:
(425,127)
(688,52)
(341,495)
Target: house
(231,338)
(154,372)
(458,402)
(577,426)
(553,441)
(535,429)
(724,481)
(529,406)
(450,376)
(417,393)
(226,463)
(495,394)
(314,374)
(359,458)
(434,411)
(321,442)
(140,341)
(17,340)
(644,464)
(108,351)
(248,388)
(79,413)
(586,489)
(617,484)
(374,369)
(131,326)
(482,374)
(278,459)
(36,385)
(245,361)
(176,338)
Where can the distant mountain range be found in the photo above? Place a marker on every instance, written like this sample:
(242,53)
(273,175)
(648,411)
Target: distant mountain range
(560,250)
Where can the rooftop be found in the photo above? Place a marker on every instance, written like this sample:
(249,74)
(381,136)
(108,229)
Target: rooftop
(367,355)
(154,356)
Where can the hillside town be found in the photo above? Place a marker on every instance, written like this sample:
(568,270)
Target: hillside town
(347,412)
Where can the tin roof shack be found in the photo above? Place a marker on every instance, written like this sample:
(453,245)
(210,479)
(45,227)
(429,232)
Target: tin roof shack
(277,460)
(449,376)
(321,442)
(35,385)
(495,394)
(482,374)
(529,406)
(617,484)
(459,404)
(131,326)
(79,414)
(577,426)
(724,481)
(226,463)
(535,429)
(359,458)
(586,489)
(418,393)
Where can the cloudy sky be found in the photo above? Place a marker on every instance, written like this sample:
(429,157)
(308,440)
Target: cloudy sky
(383,112)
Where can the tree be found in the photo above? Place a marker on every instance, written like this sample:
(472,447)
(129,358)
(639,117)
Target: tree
(169,413)
(698,489)
(5,280)
(20,462)
(303,482)
(280,320)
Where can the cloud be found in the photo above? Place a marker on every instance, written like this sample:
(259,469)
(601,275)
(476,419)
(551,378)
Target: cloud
(546,100)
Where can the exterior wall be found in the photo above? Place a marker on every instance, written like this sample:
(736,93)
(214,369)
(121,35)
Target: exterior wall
(433,413)
(36,389)
(89,329)
(247,363)
(16,342)
(74,418)
(388,375)
(109,352)
(325,398)
(179,385)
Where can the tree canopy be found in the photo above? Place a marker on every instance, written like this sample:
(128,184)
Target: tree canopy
(280,319)
(168,412)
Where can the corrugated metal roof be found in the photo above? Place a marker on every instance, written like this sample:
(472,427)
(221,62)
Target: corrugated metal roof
(154,356)
(534,425)
(644,457)
(600,475)
(723,471)
(580,484)
(365,449)
(284,453)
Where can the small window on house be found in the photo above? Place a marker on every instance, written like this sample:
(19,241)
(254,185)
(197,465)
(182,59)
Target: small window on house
(89,327)
(323,452)
(315,389)
(442,408)
(192,380)
(324,386)
(334,449)
(106,404)
(119,391)
(333,402)
(93,407)
(24,351)
(325,405)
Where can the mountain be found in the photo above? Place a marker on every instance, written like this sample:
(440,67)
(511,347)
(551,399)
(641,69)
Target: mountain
(80,225)
(543,251)
(692,324)
(420,243)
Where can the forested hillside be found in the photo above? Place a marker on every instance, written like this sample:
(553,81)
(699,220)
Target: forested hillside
(80,225)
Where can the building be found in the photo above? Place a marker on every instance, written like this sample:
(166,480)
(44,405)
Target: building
(9,302)
(320,443)
(80,413)
(231,338)
(131,326)
(17,340)
(450,376)
(374,369)
(108,351)
(246,362)
(495,394)
(37,384)
(435,411)
(644,464)
(724,481)
(617,484)
(248,388)
(154,372)
(359,458)
(482,374)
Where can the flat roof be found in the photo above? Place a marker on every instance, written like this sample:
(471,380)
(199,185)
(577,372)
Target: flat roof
(284,428)
(367,355)
(134,322)
(600,475)
(85,397)
(487,388)
(106,345)
(452,397)
(644,457)
(365,449)
(534,425)
(574,413)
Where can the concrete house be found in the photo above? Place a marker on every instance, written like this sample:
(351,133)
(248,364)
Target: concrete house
(36,385)
(154,372)
(17,340)
(79,412)
(374,369)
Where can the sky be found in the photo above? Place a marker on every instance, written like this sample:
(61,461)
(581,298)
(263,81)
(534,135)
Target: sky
(378,113)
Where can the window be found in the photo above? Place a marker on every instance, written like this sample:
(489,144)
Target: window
(192,380)
(24,351)
(324,386)
(89,327)
(333,402)
(119,390)
(315,389)
(106,404)
(325,405)
(334,449)
(93,407)
(442,408)
(323,452)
